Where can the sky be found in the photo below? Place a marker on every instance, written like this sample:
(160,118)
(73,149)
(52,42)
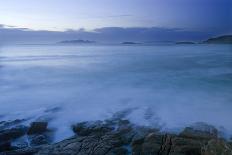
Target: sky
(206,16)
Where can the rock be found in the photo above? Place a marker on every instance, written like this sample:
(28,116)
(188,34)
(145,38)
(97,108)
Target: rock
(151,144)
(93,145)
(118,151)
(5,146)
(201,131)
(20,143)
(39,140)
(87,128)
(37,128)
(10,124)
(13,133)
(217,147)
(25,151)
(120,137)
(185,146)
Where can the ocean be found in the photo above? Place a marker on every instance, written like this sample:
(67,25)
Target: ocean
(164,86)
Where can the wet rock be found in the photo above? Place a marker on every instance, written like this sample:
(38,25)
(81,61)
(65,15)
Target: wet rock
(87,128)
(120,137)
(20,143)
(10,124)
(5,146)
(68,146)
(141,132)
(38,140)
(13,133)
(217,147)
(118,151)
(151,144)
(37,128)
(25,151)
(184,146)
(200,130)
(93,145)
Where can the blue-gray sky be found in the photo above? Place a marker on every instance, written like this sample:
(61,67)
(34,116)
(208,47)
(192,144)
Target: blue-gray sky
(90,14)
(200,16)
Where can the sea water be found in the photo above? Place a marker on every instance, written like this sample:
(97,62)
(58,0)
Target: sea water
(165,86)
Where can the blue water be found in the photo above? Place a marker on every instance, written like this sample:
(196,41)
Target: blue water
(164,86)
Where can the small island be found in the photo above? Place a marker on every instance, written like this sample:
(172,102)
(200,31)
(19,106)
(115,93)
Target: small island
(129,43)
(80,41)
(185,42)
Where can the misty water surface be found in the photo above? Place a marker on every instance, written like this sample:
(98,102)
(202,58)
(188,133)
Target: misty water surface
(164,86)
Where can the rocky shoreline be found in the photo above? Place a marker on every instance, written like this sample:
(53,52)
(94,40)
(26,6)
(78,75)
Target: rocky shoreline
(110,137)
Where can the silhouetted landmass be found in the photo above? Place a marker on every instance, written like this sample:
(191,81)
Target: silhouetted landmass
(226,39)
(185,42)
(77,42)
(129,43)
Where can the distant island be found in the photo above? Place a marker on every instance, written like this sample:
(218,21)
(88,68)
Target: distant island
(77,42)
(129,43)
(226,39)
(185,42)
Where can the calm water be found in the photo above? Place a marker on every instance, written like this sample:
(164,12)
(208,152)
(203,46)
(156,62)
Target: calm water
(166,86)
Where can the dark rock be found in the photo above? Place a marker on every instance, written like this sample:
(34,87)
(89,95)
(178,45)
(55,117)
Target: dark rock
(87,128)
(118,151)
(39,140)
(37,128)
(20,143)
(10,124)
(120,137)
(13,133)
(151,144)
(5,146)
(25,151)
(93,145)
(217,147)
(201,131)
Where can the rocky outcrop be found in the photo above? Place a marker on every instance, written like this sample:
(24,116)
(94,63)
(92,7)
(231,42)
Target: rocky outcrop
(37,128)
(13,133)
(15,136)
(120,137)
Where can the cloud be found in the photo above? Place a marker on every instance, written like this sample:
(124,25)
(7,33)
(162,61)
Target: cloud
(106,34)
